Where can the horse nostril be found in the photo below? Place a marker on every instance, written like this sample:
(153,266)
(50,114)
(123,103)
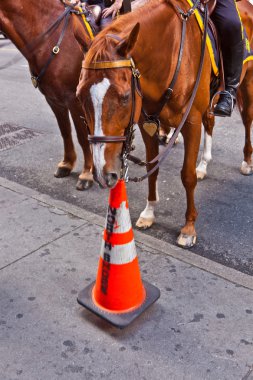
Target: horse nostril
(111,179)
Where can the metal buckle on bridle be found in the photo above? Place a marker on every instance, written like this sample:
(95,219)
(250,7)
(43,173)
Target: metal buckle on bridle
(125,167)
(56,49)
(34,81)
(135,71)
(127,148)
(186,15)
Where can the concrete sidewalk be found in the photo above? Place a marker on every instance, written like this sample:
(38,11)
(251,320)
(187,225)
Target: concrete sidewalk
(201,327)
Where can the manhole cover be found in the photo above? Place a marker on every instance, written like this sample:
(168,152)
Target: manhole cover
(12,135)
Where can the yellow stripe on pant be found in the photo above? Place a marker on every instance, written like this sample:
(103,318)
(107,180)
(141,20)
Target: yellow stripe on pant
(87,25)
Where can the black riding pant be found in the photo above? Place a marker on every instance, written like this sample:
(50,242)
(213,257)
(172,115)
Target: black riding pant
(227,21)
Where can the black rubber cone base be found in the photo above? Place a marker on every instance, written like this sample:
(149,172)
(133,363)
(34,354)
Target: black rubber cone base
(123,319)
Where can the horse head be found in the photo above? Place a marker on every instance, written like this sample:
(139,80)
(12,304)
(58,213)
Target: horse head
(106,94)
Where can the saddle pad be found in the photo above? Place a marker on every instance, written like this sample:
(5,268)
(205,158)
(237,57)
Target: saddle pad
(211,43)
(248,52)
(86,23)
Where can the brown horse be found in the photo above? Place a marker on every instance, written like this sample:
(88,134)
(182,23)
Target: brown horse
(23,21)
(106,94)
(244,101)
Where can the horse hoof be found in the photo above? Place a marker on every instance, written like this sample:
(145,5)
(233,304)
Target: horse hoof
(83,184)
(62,172)
(144,223)
(246,169)
(186,241)
(200,175)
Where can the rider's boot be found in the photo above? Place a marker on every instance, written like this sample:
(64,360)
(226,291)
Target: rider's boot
(233,61)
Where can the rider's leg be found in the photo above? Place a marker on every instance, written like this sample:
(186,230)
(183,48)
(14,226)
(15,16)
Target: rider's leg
(227,21)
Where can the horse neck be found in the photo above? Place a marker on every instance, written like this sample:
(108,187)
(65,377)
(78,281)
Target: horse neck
(24,21)
(159,36)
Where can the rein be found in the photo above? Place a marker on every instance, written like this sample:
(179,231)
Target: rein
(135,85)
(69,8)
(56,49)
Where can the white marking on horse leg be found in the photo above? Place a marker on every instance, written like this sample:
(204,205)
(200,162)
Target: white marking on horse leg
(98,92)
(170,134)
(156,192)
(205,158)
(246,169)
(148,212)
(179,138)
(147,217)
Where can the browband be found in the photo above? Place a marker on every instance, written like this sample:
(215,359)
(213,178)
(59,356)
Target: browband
(108,64)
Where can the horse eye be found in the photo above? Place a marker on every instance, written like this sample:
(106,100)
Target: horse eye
(125,98)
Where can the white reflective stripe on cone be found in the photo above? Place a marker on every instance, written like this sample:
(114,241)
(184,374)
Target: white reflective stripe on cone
(119,254)
(122,219)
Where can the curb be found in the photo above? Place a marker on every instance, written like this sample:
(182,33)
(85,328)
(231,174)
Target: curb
(157,245)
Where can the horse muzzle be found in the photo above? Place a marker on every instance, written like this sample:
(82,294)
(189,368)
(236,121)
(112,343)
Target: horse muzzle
(108,180)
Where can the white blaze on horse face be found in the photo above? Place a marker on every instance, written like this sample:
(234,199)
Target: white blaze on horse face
(98,92)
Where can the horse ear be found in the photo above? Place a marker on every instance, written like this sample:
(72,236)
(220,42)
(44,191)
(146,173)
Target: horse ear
(81,36)
(125,46)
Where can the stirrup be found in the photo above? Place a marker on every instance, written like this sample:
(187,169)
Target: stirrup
(212,109)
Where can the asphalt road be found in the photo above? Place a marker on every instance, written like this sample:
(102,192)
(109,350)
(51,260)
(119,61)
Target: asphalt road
(32,148)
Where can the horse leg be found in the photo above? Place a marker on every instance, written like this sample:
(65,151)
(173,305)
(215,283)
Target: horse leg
(247,165)
(245,103)
(191,133)
(147,216)
(85,180)
(67,164)
(206,157)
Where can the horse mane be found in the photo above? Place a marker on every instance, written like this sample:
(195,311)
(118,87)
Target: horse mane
(103,45)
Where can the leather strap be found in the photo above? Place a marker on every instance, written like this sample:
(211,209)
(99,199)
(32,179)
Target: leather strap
(121,63)
(168,93)
(106,139)
(56,49)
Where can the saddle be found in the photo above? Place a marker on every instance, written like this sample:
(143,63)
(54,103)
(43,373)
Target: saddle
(93,13)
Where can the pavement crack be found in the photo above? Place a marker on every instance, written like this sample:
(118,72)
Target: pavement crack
(42,246)
(247,376)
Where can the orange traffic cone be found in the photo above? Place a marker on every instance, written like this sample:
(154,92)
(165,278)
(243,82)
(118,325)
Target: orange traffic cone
(118,295)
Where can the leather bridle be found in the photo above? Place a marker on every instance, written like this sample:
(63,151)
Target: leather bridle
(127,139)
(135,87)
